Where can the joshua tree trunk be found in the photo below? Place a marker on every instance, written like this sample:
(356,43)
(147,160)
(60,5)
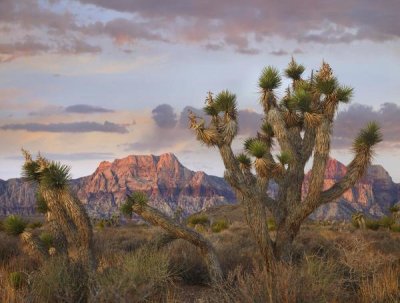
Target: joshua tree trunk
(301,125)
(177,230)
(67,218)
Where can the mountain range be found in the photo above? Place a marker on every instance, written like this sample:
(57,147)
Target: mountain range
(171,186)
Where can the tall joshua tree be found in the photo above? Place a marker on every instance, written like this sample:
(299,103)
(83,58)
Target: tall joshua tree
(66,216)
(299,126)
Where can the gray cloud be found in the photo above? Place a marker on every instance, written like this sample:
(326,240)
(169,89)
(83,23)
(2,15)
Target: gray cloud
(73,127)
(76,108)
(86,109)
(350,121)
(71,156)
(215,25)
(164,116)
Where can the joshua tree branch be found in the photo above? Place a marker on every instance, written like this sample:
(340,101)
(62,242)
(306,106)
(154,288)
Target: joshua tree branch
(178,230)
(355,170)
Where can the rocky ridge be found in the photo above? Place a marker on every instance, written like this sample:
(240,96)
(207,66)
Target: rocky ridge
(170,186)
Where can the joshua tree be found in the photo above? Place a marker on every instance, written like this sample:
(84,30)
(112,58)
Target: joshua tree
(299,127)
(66,216)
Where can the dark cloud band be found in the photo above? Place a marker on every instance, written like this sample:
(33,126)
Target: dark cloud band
(74,127)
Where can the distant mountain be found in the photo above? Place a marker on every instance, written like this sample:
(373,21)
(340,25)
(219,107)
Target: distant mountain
(171,185)
(372,195)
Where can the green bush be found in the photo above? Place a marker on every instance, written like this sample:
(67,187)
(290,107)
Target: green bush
(60,280)
(136,278)
(395,228)
(386,221)
(355,223)
(201,219)
(15,279)
(219,225)
(47,239)
(372,224)
(271,224)
(14,225)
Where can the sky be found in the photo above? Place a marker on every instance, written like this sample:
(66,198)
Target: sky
(91,80)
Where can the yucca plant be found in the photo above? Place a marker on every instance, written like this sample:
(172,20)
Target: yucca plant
(299,124)
(14,225)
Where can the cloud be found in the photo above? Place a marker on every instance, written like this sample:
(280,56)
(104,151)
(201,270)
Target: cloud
(164,116)
(349,122)
(73,127)
(86,109)
(235,22)
(72,109)
(37,27)
(71,156)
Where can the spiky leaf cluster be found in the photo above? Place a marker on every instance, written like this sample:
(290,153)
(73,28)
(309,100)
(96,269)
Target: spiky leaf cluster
(269,79)
(344,93)
(367,137)
(137,197)
(31,171)
(284,158)
(257,148)
(226,102)
(244,160)
(55,176)
(294,70)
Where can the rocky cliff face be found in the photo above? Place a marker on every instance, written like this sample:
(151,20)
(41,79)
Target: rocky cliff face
(372,195)
(167,182)
(170,185)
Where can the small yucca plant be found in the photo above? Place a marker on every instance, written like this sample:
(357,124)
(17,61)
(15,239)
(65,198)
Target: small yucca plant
(14,225)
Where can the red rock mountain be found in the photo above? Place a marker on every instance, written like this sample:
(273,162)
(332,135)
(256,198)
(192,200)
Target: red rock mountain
(170,185)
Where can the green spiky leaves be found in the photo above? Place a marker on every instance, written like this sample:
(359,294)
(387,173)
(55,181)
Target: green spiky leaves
(137,197)
(269,79)
(55,176)
(31,171)
(294,70)
(226,102)
(257,148)
(41,205)
(267,129)
(302,98)
(244,161)
(326,86)
(368,137)
(344,94)
(284,158)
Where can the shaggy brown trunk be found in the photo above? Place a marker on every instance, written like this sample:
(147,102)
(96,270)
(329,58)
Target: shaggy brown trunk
(72,224)
(180,231)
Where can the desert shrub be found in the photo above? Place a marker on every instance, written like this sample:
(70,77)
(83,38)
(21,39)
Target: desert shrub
(34,225)
(187,263)
(47,239)
(9,247)
(14,225)
(136,278)
(315,280)
(386,221)
(1,226)
(395,228)
(355,223)
(372,224)
(201,219)
(101,224)
(60,280)
(16,279)
(219,225)
(383,286)
(394,209)
(271,224)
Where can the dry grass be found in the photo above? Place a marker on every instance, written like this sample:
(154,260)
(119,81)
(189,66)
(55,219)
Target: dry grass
(331,264)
